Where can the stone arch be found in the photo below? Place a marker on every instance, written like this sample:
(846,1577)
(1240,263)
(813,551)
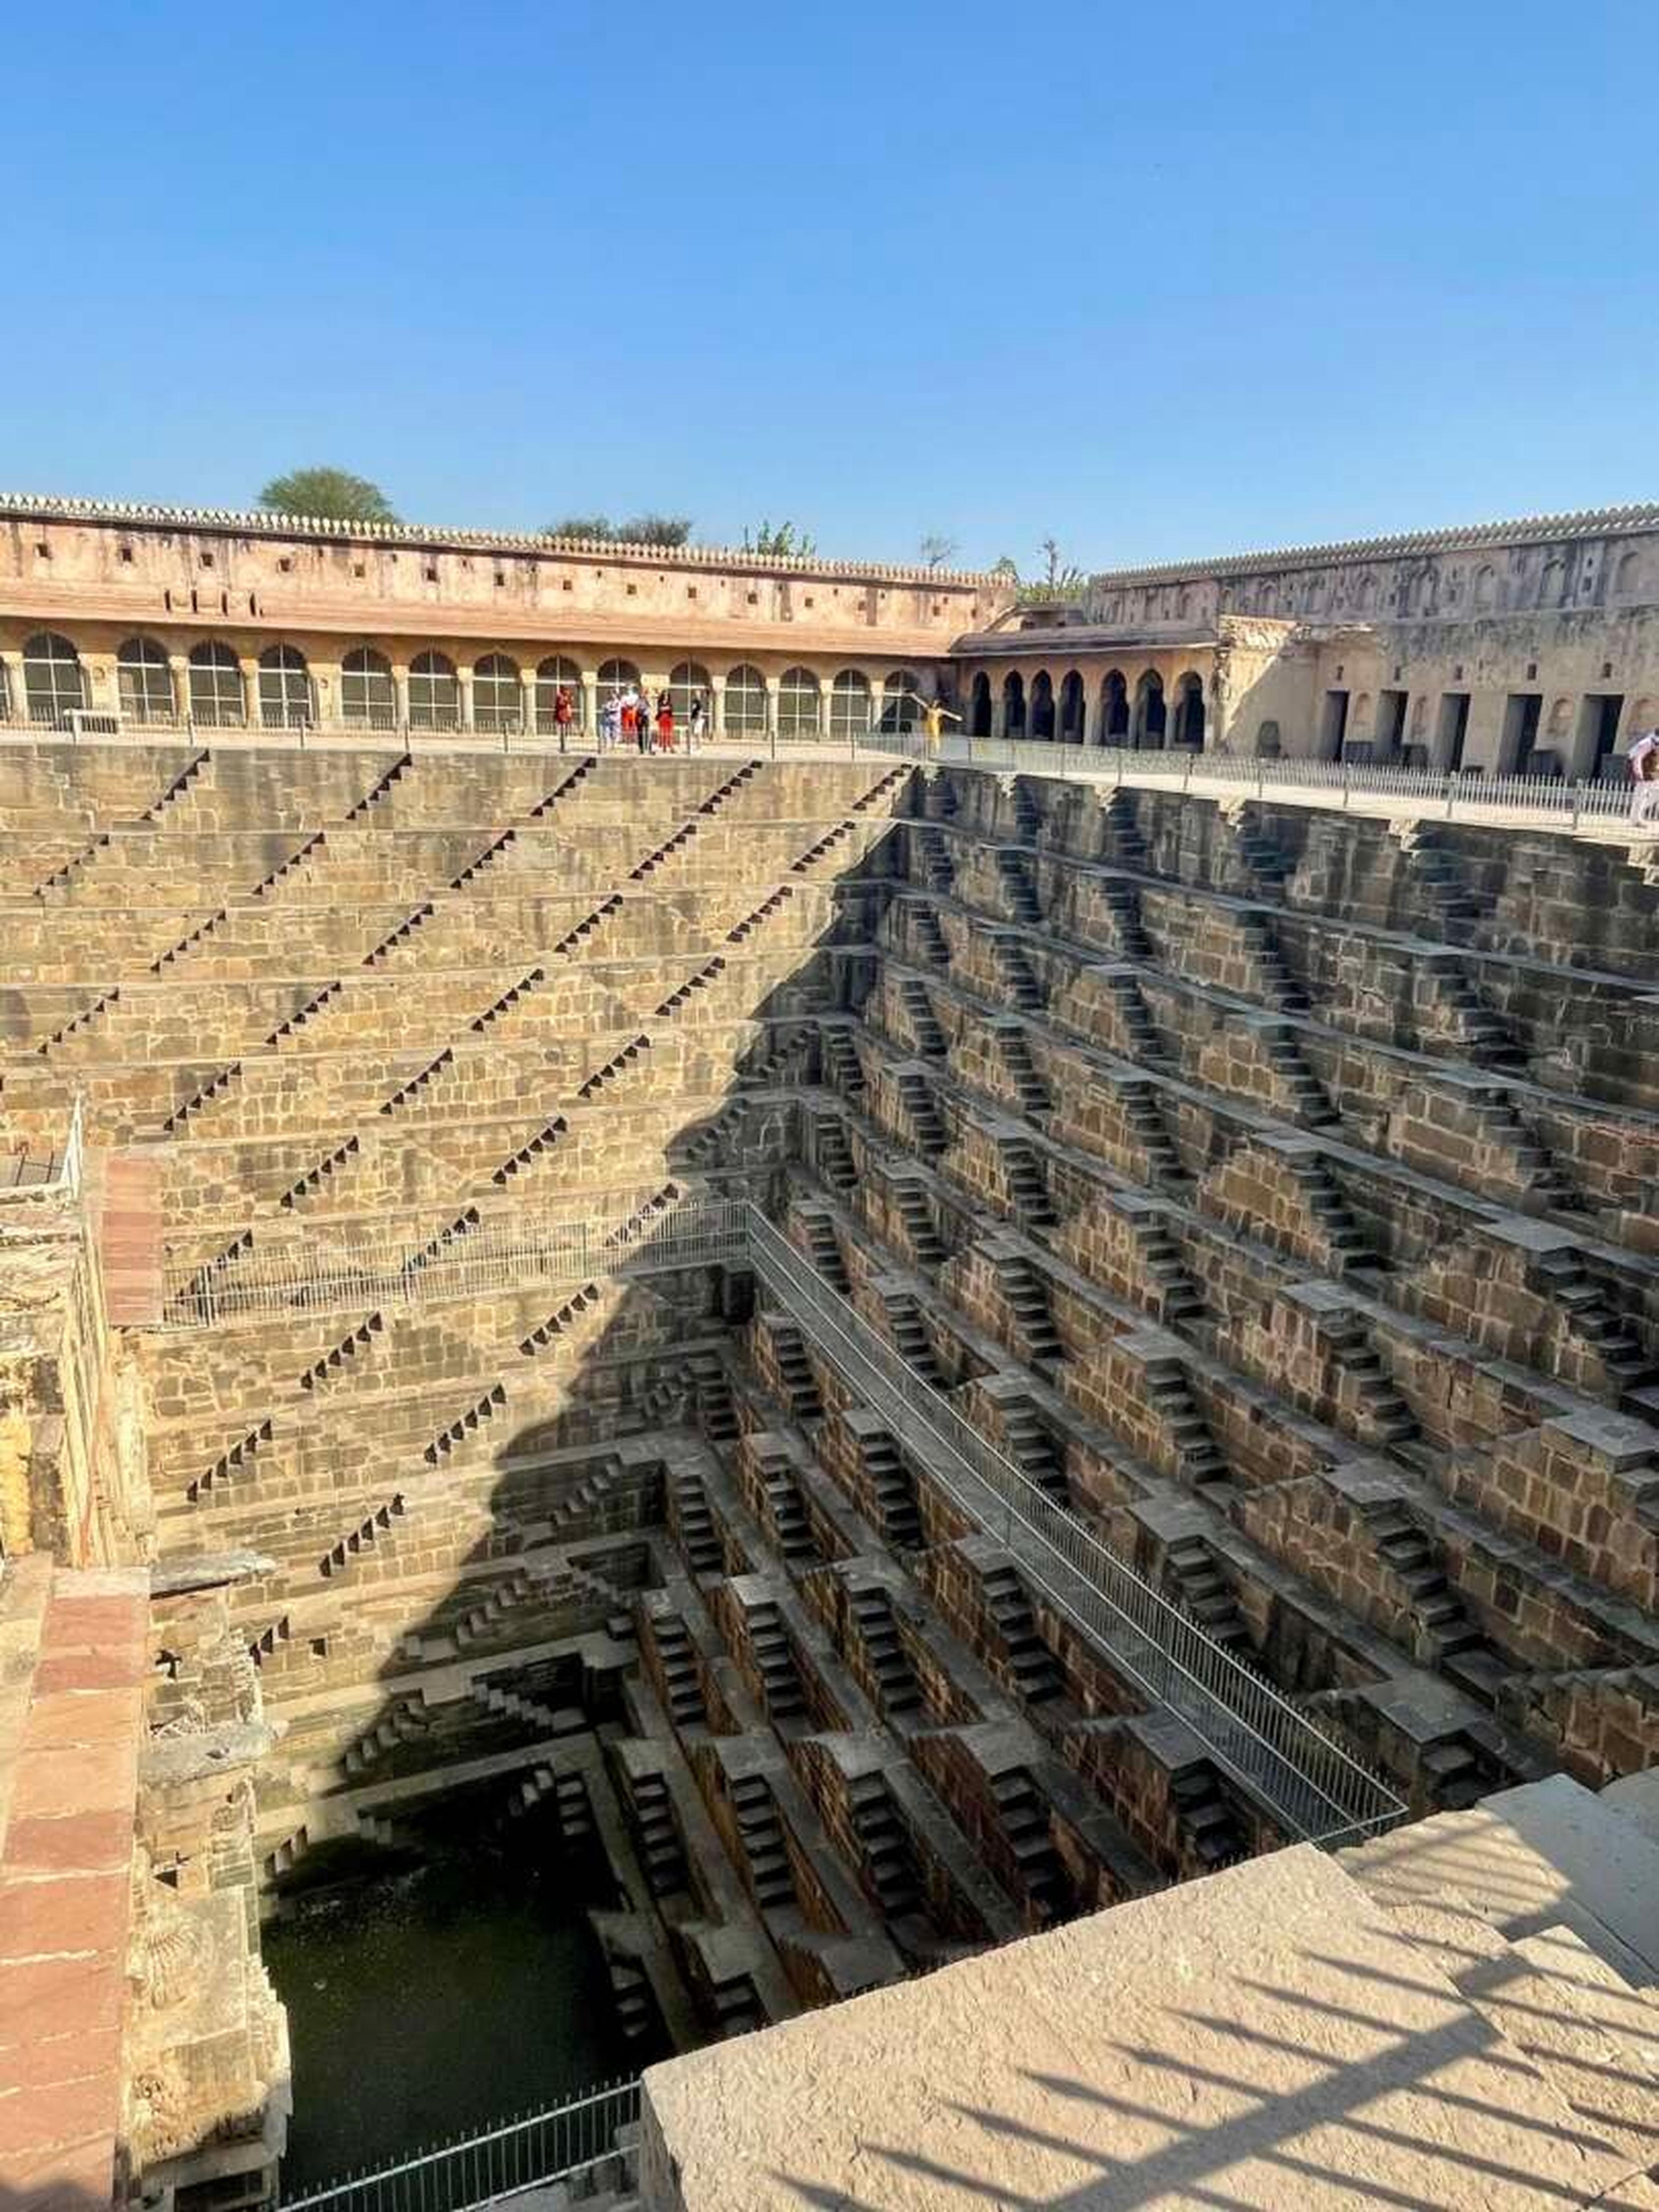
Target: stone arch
(688,681)
(434,692)
(849,703)
(617,675)
(217,698)
(800,703)
(899,693)
(143,682)
(1268,745)
(1629,577)
(1073,711)
(1365,593)
(1560,721)
(553,675)
(367,695)
(497,693)
(979,705)
(1151,716)
(1553,584)
(1042,705)
(1189,730)
(54,681)
(1115,705)
(285,695)
(743,702)
(1013,704)
(1486,588)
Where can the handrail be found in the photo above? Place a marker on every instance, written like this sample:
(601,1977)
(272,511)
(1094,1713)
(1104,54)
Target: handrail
(68,1174)
(1184,769)
(533,2153)
(1317,1788)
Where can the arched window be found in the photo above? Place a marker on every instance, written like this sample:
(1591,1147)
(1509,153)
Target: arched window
(1189,712)
(1364,594)
(617,675)
(1071,708)
(979,706)
(1627,578)
(744,703)
(144,682)
(1486,589)
(1150,712)
(688,683)
(284,688)
(1115,705)
(1013,704)
(849,704)
(1553,585)
(497,693)
(798,704)
(435,696)
(215,688)
(368,696)
(1043,704)
(898,701)
(54,681)
(553,673)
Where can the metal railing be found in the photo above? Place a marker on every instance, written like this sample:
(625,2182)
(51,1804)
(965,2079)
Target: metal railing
(528,2154)
(65,1175)
(475,1256)
(1313,1787)
(1468,794)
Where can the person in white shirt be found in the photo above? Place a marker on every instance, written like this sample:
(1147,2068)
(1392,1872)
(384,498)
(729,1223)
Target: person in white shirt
(1643,759)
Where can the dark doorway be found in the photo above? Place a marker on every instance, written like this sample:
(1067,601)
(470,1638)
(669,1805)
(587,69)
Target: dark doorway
(1043,704)
(1598,734)
(1390,724)
(1151,714)
(1453,728)
(1115,702)
(1334,726)
(979,706)
(1013,705)
(1522,711)
(1071,710)
(1190,714)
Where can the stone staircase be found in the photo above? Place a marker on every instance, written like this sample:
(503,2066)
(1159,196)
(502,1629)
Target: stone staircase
(897,1687)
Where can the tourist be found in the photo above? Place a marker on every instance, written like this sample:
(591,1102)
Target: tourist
(628,715)
(665,722)
(699,722)
(609,721)
(564,714)
(1644,758)
(934,715)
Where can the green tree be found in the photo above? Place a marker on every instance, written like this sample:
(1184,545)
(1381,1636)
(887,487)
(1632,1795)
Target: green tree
(935,549)
(335,495)
(638,530)
(786,542)
(597,526)
(1061,581)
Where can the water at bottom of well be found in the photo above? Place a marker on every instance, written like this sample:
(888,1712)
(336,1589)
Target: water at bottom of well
(434,2002)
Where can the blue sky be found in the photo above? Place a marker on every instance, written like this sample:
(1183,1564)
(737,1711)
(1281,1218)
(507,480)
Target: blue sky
(1161,281)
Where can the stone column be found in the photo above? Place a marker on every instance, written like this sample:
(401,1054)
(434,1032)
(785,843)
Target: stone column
(17,696)
(774,690)
(588,703)
(527,695)
(400,692)
(1094,713)
(716,706)
(324,693)
(463,678)
(250,714)
(998,710)
(180,671)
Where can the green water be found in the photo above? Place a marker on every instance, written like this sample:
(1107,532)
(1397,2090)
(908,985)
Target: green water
(435,2002)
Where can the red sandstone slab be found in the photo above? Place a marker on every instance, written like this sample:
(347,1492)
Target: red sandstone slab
(87,1778)
(77,1843)
(36,2121)
(130,1239)
(93,1623)
(46,1997)
(63,1916)
(65,2180)
(69,2058)
(83,1670)
(71,1716)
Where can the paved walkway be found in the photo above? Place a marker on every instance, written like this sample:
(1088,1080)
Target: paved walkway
(69,1749)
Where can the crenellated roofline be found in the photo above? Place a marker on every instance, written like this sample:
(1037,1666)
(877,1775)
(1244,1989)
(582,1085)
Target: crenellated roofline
(1529,530)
